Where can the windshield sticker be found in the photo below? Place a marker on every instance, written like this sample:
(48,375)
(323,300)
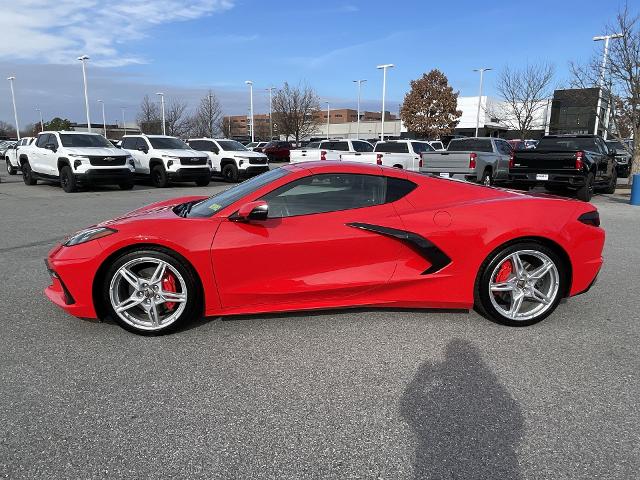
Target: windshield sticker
(215,207)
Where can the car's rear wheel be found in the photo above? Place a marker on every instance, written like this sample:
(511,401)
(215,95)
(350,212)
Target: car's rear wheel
(150,292)
(487,179)
(27,174)
(11,170)
(520,284)
(159,177)
(68,180)
(585,192)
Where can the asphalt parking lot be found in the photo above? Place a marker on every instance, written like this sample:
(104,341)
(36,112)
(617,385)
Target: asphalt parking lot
(391,394)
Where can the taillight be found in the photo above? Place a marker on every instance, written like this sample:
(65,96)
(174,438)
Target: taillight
(512,160)
(379,159)
(590,218)
(579,162)
(323,155)
(472,160)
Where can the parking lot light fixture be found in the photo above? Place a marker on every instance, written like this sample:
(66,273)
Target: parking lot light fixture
(603,67)
(481,70)
(15,111)
(328,113)
(164,128)
(41,121)
(250,83)
(270,90)
(384,69)
(84,59)
(359,82)
(104,120)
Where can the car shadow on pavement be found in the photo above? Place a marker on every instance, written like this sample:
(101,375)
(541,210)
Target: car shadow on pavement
(467,425)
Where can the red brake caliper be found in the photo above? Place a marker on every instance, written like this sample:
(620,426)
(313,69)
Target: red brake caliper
(169,285)
(505,270)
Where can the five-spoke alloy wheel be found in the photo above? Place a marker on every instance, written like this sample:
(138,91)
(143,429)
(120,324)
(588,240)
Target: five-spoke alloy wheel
(521,285)
(149,291)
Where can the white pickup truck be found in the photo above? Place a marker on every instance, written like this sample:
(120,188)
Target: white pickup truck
(393,153)
(230,159)
(11,155)
(329,150)
(74,159)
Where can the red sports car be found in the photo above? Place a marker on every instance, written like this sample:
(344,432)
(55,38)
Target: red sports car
(325,235)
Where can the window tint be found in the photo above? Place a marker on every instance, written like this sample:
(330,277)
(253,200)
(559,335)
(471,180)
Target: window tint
(129,143)
(326,193)
(313,145)
(362,147)
(42,140)
(568,144)
(392,147)
(141,142)
(168,143)
(195,144)
(340,146)
(398,188)
(232,146)
(420,147)
(91,141)
(470,145)
(53,140)
(503,147)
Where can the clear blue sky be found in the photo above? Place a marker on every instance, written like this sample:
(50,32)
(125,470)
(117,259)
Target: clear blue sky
(221,43)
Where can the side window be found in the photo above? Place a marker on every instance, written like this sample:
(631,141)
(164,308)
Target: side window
(503,147)
(419,147)
(341,146)
(326,193)
(603,147)
(362,147)
(141,142)
(398,188)
(42,140)
(129,143)
(326,145)
(53,140)
(195,144)
(212,147)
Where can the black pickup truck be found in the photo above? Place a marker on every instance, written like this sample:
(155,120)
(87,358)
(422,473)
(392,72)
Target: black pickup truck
(580,163)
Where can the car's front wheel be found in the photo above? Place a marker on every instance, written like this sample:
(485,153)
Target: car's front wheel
(159,177)
(27,174)
(520,284)
(11,170)
(150,292)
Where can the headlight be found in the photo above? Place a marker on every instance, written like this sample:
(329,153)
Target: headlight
(173,157)
(77,155)
(87,235)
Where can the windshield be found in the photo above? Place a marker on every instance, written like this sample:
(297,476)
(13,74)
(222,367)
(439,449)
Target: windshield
(252,144)
(231,146)
(568,144)
(168,143)
(71,140)
(615,144)
(211,205)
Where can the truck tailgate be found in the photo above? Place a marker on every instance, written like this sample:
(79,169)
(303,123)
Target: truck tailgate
(542,161)
(446,162)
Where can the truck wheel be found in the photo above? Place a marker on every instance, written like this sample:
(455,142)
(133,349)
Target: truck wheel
(11,170)
(159,177)
(68,180)
(27,174)
(613,183)
(585,192)
(230,173)
(487,179)
(203,182)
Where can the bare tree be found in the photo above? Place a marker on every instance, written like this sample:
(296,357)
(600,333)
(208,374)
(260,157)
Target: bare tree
(293,109)
(207,118)
(7,130)
(177,122)
(149,118)
(224,125)
(622,78)
(524,94)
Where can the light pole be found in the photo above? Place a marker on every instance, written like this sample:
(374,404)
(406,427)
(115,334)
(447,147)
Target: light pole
(15,112)
(359,82)
(481,70)
(384,68)
(250,83)
(605,54)
(41,122)
(271,89)
(104,120)
(328,113)
(164,128)
(210,97)
(124,125)
(84,59)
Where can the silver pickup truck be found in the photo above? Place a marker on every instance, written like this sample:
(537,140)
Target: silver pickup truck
(477,159)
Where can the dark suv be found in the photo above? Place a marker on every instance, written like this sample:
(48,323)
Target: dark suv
(277,151)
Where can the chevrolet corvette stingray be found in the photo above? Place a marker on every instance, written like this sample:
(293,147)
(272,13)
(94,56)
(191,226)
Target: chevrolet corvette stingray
(329,235)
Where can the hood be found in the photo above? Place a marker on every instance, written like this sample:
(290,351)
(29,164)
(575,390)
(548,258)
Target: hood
(97,151)
(179,153)
(154,209)
(249,154)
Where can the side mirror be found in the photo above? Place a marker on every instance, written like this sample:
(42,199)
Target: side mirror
(50,146)
(258,210)
(142,148)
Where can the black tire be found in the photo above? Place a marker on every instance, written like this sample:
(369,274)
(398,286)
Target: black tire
(585,192)
(482,298)
(159,177)
(11,170)
(487,178)
(193,307)
(68,180)
(398,166)
(230,173)
(613,183)
(126,185)
(203,182)
(27,174)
